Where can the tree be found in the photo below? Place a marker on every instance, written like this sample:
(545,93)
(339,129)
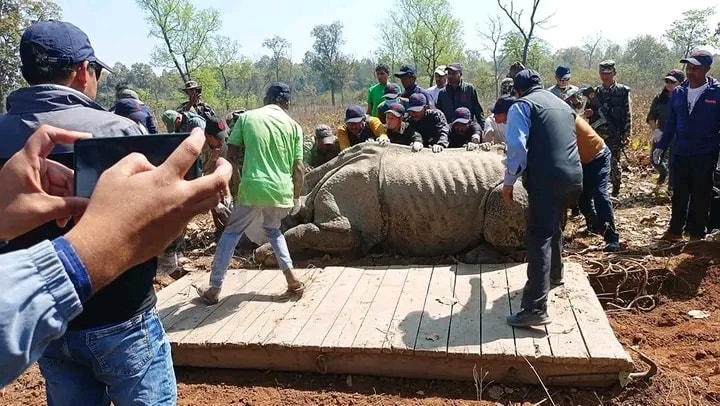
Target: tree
(593,45)
(527,33)
(494,36)
(280,48)
(185,32)
(327,59)
(425,32)
(225,55)
(535,53)
(649,56)
(15,16)
(691,31)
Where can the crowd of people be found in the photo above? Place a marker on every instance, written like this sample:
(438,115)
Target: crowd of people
(80,298)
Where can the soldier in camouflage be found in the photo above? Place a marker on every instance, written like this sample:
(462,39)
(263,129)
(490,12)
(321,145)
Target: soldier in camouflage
(610,115)
(194,103)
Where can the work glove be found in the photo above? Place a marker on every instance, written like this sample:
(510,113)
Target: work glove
(657,155)
(656,135)
(437,148)
(383,141)
(417,146)
(472,146)
(296,207)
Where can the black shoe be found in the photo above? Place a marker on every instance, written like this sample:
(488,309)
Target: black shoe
(528,318)
(557,281)
(662,178)
(615,191)
(612,247)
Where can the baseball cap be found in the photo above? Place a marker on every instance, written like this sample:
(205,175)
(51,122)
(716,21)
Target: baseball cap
(396,109)
(562,72)
(526,79)
(455,66)
(699,57)
(130,108)
(417,102)
(168,118)
(323,135)
(405,70)
(502,105)
(462,115)
(216,127)
(392,91)
(441,70)
(354,114)
(676,75)
(59,43)
(277,92)
(607,66)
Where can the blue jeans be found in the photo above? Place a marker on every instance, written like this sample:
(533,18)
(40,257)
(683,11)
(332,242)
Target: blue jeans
(241,219)
(595,204)
(127,363)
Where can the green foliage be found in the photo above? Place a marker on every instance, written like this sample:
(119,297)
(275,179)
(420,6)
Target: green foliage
(692,31)
(327,58)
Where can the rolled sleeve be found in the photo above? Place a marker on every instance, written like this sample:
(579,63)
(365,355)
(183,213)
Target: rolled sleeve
(518,130)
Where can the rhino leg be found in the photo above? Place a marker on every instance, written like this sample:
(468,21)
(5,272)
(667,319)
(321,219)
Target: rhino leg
(310,237)
(505,225)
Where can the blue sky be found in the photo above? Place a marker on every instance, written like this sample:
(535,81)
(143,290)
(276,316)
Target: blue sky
(118,31)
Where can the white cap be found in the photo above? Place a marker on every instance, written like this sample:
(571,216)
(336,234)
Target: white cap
(441,70)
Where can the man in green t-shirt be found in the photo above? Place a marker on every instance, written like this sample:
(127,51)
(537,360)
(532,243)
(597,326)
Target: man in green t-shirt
(270,144)
(375,92)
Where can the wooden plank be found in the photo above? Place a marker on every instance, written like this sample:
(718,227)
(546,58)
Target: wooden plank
(216,316)
(564,333)
(261,319)
(466,322)
(498,339)
(287,328)
(180,286)
(532,343)
(271,292)
(193,311)
(435,323)
(313,333)
(404,326)
(600,340)
(371,335)
(342,333)
(184,293)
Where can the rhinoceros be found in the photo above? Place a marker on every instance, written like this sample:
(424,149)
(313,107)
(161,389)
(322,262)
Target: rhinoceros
(388,198)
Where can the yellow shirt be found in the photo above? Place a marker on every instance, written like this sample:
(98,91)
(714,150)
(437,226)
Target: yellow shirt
(374,128)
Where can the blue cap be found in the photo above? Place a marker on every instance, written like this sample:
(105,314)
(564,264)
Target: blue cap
(405,70)
(525,79)
(502,105)
(58,43)
(417,102)
(396,109)
(699,57)
(354,114)
(277,92)
(392,91)
(562,72)
(462,115)
(455,66)
(130,108)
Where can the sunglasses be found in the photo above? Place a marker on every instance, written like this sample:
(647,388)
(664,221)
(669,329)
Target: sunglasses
(96,68)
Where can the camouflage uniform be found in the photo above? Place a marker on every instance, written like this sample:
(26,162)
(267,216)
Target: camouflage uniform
(614,102)
(201,108)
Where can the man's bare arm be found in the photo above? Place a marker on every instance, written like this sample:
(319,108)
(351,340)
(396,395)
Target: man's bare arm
(298,177)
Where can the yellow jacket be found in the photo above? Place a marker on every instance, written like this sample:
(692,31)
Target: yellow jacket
(374,129)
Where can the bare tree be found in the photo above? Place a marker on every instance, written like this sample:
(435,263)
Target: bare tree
(527,33)
(494,35)
(280,48)
(592,45)
(225,56)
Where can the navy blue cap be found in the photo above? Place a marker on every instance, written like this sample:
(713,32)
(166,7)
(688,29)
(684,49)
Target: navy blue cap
(417,102)
(277,92)
(392,91)
(130,108)
(699,57)
(405,70)
(455,66)
(58,43)
(354,114)
(675,75)
(562,72)
(502,105)
(216,127)
(525,79)
(462,115)
(396,109)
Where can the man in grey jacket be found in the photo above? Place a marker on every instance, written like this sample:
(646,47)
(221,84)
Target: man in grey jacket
(116,349)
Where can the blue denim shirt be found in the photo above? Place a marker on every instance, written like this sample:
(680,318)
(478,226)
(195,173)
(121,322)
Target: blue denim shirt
(516,135)
(44,287)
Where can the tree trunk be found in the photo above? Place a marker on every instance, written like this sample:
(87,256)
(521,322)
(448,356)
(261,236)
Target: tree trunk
(332,94)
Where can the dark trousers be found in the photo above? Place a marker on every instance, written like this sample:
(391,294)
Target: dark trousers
(543,240)
(595,204)
(692,182)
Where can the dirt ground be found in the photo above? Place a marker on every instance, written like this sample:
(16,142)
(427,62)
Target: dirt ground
(675,321)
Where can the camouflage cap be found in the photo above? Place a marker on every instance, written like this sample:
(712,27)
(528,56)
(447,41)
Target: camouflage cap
(324,135)
(168,118)
(607,66)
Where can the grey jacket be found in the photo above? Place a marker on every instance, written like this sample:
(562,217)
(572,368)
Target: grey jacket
(59,106)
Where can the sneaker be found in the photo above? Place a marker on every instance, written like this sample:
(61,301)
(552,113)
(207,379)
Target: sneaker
(670,236)
(612,247)
(209,294)
(528,318)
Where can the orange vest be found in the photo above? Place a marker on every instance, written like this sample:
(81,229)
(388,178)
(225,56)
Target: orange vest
(588,141)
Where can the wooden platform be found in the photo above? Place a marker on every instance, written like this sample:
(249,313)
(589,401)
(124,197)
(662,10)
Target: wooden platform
(438,322)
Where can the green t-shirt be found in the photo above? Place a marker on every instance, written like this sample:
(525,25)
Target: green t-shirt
(375,97)
(272,141)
